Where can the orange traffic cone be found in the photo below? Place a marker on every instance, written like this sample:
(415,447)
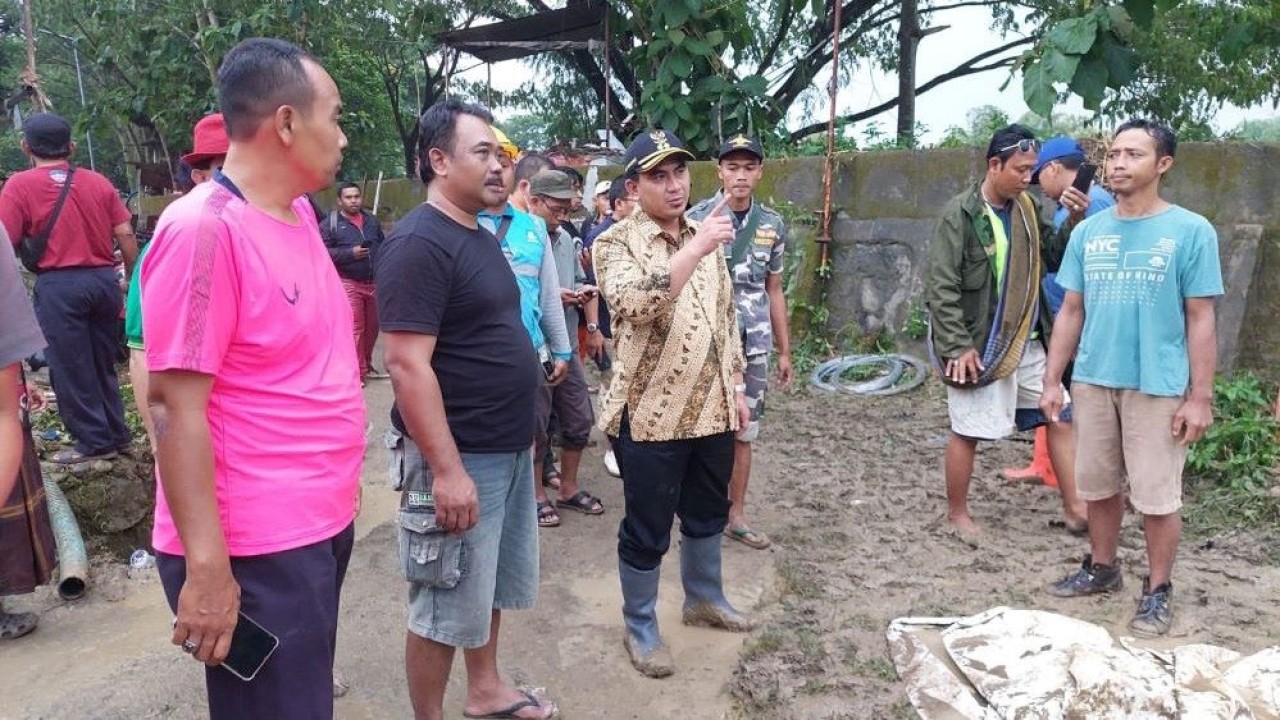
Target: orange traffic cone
(1041,467)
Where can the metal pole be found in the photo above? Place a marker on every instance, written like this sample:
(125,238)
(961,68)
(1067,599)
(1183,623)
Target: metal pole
(608,144)
(88,136)
(824,237)
(84,103)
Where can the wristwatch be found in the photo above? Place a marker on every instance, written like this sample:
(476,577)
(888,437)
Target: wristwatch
(740,388)
(592,327)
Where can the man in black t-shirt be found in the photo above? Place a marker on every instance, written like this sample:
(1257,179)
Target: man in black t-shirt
(465,375)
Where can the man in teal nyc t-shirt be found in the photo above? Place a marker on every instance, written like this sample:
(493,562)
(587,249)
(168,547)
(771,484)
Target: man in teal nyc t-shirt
(1134,274)
(1141,280)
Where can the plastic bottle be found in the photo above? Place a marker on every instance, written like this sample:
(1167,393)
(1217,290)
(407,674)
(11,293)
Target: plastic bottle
(141,559)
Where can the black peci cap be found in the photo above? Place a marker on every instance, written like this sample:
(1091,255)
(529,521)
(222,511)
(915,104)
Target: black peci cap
(741,143)
(651,148)
(48,135)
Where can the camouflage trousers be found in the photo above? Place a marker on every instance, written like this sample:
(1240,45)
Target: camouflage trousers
(756,378)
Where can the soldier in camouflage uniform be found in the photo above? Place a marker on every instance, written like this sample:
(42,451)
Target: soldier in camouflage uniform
(755,263)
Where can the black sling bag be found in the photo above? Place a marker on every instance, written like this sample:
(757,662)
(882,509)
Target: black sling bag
(31,249)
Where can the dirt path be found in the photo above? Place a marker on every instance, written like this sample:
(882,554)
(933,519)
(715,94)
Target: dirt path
(849,488)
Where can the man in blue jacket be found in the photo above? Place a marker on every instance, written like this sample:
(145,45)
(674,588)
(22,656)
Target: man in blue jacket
(353,235)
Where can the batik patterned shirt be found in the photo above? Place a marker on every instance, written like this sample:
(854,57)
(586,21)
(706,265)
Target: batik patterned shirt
(674,357)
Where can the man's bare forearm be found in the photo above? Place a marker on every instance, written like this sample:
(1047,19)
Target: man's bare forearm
(1063,343)
(128,242)
(1202,346)
(184,454)
(778,319)
(10,430)
(421,405)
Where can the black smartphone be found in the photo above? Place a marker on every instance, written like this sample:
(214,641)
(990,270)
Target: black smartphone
(1084,177)
(549,368)
(251,645)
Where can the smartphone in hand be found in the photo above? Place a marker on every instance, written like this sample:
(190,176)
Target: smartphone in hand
(1084,177)
(251,646)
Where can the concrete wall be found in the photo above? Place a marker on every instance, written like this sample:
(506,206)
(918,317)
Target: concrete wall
(887,203)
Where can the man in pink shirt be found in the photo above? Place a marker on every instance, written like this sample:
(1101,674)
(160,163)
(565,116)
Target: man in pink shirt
(255,392)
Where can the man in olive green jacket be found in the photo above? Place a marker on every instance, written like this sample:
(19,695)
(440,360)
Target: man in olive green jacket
(988,331)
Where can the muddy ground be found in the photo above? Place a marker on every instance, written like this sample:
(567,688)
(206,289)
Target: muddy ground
(854,494)
(849,488)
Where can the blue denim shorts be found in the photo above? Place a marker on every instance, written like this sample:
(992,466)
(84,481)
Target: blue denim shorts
(457,580)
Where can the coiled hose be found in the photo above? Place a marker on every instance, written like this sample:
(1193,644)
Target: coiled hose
(901,373)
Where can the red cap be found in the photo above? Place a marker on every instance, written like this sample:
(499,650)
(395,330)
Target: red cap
(209,140)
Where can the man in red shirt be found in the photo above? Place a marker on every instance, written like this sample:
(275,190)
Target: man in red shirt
(77,296)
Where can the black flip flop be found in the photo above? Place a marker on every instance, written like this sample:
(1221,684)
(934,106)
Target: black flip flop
(529,701)
(546,511)
(583,502)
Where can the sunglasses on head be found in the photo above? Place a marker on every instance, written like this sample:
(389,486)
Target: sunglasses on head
(1024,145)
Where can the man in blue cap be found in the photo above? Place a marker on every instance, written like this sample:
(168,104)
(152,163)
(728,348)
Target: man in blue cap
(1056,169)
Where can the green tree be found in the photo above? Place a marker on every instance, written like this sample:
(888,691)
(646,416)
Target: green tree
(711,69)
(1265,131)
(529,130)
(980,124)
(755,63)
(12,60)
(150,66)
(1179,62)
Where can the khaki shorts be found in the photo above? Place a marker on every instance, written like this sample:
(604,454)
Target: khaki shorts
(1005,406)
(1126,434)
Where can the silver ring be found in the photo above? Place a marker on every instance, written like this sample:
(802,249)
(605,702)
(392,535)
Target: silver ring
(189,647)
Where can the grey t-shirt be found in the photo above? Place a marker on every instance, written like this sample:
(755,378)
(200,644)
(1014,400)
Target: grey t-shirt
(566,248)
(20,335)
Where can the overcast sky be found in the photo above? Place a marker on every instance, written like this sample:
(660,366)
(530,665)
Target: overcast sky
(938,109)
